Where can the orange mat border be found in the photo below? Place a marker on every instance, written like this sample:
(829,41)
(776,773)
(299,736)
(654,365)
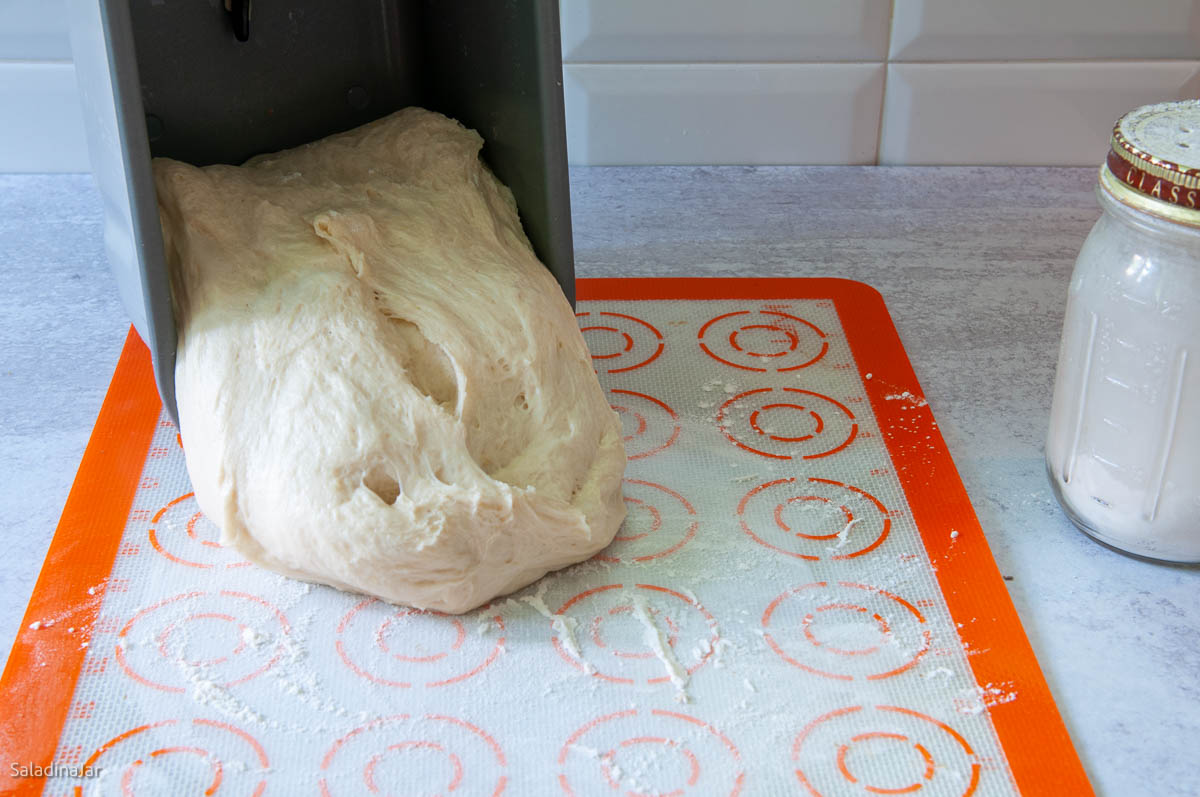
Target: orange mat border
(42,670)
(44,665)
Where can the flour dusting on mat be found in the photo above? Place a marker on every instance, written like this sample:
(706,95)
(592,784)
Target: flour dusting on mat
(768,609)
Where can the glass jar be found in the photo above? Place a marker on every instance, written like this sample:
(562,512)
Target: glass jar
(1123,452)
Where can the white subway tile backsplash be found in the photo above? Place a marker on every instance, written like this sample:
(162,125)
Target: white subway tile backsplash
(718,30)
(722,113)
(1006,30)
(1019,113)
(33,30)
(770,81)
(42,129)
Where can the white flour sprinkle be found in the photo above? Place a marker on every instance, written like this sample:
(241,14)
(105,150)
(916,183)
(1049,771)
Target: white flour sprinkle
(843,536)
(254,638)
(908,397)
(657,641)
(565,626)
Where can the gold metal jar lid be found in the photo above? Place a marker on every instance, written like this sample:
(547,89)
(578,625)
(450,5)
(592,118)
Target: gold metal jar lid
(1153,161)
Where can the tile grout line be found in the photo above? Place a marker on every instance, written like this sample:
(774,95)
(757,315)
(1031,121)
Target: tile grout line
(887,73)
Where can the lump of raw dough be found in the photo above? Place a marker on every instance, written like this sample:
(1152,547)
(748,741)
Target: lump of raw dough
(380,387)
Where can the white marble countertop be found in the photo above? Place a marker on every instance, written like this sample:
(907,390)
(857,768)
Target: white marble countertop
(973,264)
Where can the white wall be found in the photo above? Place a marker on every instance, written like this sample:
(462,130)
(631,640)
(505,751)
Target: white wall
(41,127)
(771,81)
(867,81)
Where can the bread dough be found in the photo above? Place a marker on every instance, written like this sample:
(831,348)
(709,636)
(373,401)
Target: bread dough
(380,386)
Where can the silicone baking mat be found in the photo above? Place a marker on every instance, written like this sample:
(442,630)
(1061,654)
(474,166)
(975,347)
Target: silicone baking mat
(801,602)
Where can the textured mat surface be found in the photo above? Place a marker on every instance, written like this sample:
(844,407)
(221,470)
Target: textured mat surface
(801,600)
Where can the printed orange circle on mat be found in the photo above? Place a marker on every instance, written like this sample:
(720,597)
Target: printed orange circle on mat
(880,750)
(814,518)
(846,631)
(180,532)
(374,639)
(619,342)
(225,637)
(607,632)
(659,522)
(763,341)
(787,423)
(430,754)
(199,756)
(643,753)
(649,424)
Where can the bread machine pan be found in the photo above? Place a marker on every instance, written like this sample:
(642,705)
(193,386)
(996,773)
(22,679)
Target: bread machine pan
(222,80)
